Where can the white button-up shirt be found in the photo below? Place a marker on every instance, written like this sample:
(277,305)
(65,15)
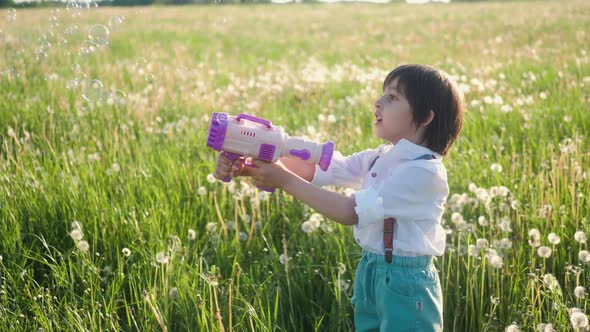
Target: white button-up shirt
(412,191)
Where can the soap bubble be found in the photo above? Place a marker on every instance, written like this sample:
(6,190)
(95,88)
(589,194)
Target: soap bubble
(53,21)
(115,21)
(93,91)
(88,47)
(72,29)
(11,15)
(120,97)
(10,73)
(72,84)
(99,34)
(40,54)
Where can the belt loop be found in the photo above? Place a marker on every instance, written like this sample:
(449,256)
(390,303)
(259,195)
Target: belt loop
(388,239)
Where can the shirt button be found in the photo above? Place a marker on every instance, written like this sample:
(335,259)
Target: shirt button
(373,174)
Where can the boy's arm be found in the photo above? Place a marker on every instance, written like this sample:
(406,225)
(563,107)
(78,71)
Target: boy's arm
(331,204)
(304,170)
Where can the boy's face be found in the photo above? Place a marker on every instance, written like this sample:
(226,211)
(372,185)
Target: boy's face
(393,115)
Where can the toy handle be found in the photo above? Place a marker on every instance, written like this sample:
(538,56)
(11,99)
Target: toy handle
(233,157)
(265,122)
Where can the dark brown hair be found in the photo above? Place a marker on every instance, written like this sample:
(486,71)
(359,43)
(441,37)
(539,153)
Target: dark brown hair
(427,88)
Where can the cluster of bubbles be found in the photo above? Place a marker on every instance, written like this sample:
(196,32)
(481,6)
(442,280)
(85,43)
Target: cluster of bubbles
(97,37)
(11,15)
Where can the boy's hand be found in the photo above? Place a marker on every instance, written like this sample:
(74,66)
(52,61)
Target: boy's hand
(225,170)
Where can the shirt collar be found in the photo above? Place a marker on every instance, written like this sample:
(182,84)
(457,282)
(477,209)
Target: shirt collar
(406,150)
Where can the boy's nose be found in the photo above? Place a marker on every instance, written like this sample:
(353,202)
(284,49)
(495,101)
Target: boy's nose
(378,104)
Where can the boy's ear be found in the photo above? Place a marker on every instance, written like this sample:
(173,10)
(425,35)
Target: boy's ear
(428,120)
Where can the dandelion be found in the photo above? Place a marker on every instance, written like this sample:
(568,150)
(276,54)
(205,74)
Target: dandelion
(202,191)
(580,236)
(192,234)
(341,268)
(126,252)
(584,256)
(579,320)
(544,252)
(580,292)
(243,236)
(83,246)
(173,293)
(482,221)
(550,280)
(212,227)
(481,244)
(534,237)
(331,118)
(343,285)
(512,328)
(554,238)
(210,178)
(496,168)
(315,220)
(283,259)
(327,228)
(307,227)
(505,225)
(162,258)
(496,261)
(76,234)
(472,250)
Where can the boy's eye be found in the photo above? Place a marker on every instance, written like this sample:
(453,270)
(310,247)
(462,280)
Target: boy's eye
(392,97)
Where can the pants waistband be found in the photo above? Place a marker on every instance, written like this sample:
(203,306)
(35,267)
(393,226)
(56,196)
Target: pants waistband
(402,261)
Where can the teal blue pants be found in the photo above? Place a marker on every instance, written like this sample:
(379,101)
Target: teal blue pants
(402,296)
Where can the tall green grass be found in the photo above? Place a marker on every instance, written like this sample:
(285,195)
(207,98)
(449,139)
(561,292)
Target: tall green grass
(169,250)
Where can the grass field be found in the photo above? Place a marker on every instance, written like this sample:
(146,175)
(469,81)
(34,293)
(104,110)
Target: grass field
(109,219)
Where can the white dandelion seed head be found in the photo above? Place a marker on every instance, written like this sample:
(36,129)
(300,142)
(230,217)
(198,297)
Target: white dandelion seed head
(77,234)
(472,187)
(202,191)
(192,234)
(327,228)
(544,252)
(554,238)
(307,226)
(173,293)
(457,218)
(505,243)
(580,236)
(331,118)
(512,328)
(162,258)
(505,224)
(583,255)
(481,244)
(210,178)
(283,259)
(83,246)
(496,261)
(534,234)
(496,168)
(580,292)
(579,320)
(212,227)
(472,250)
(126,252)
(482,221)
(243,236)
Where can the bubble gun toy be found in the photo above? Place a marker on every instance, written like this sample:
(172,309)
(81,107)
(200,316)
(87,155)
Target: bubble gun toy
(246,136)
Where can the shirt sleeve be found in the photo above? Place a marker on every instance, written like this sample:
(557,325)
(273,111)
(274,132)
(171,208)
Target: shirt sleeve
(411,193)
(344,171)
